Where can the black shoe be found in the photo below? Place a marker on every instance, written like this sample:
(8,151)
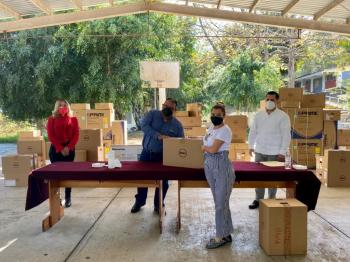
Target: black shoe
(228,239)
(254,205)
(136,208)
(67,203)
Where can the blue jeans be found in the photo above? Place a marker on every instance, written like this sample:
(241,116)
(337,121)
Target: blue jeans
(141,195)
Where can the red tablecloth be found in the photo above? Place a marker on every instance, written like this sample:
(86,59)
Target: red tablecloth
(307,189)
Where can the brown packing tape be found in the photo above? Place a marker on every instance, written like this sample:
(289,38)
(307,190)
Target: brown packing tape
(287,240)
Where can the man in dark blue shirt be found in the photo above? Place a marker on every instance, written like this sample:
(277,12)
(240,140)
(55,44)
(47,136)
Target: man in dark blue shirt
(157,125)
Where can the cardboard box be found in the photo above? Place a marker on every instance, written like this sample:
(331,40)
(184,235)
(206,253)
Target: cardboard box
(183,152)
(291,94)
(290,104)
(343,137)
(18,165)
(314,101)
(239,151)
(306,122)
(194,109)
(238,125)
(307,160)
(127,152)
(336,166)
(332,114)
(31,146)
(120,132)
(90,140)
(79,106)
(29,134)
(330,134)
(283,227)
(81,116)
(18,182)
(262,104)
(307,146)
(99,118)
(181,114)
(190,121)
(80,155)
(104,106)
(195,131)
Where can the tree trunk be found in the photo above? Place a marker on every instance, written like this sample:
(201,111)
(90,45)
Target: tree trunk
(291,67)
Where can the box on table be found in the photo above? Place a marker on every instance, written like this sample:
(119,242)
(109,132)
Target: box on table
(81,116)
(190,121)
(290,94)
(336,166)
(330,134)
(239,151)
(79,106)
(31,146)
(195,131)
(127,152)
(194,109)
(306,122)
(181,114)
(80,155)
(343,137)
(29,134)
(90,140)
(97,118)
(183,152)
(313,101)
(331,114)
(238,125)
(104,106)
(283,227)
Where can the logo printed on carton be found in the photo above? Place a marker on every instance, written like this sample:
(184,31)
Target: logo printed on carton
(182,152)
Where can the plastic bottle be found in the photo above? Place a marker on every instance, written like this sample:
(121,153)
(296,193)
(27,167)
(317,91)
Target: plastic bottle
(288,160)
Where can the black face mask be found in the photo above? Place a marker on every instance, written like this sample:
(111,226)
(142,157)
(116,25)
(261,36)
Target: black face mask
(216,120)
(167,112)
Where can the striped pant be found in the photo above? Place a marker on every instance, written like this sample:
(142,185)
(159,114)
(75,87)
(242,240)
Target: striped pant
(220,176)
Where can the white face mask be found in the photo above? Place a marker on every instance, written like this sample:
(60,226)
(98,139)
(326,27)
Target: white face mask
(270,105)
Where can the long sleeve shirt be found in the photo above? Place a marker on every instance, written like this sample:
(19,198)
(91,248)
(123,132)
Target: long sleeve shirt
(153,125)
(63,131)
(270,134)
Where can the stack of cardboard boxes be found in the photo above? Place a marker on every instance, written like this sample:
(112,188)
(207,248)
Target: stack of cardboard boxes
(239,149)
(191,120)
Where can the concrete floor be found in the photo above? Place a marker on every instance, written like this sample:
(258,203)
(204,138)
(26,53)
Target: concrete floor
(100,227)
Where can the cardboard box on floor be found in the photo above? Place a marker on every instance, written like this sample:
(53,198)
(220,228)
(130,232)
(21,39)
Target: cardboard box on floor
(119,132)
(336,166)
(313,101)
(99,118)
(239,151)
(195,131)
(183,152)
(127,152)
(290,94)
(238,125)
(79,106)
(283,227)
(91,141)
(306,122)
(331,114)
(330,134)
(181,114)
(31,146)
(104,106)
(81,116)
(29,134)
(190,121)
(343,136)
(194,109)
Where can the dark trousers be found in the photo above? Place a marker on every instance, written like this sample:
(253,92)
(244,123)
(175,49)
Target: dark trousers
(141,195)
(58,157)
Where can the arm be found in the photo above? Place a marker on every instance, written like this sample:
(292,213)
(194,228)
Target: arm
(214,148)
(286,136)
(51,135)
(252,136)
(146,126)
(75,137)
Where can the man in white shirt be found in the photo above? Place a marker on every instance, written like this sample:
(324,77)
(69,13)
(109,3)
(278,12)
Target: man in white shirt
(269,138)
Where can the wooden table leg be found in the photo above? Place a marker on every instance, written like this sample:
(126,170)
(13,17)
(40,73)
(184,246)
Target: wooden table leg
(290,191)
(178,218)
(56,210)
(161,209)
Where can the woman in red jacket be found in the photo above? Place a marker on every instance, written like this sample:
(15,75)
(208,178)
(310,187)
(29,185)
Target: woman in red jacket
(63,133)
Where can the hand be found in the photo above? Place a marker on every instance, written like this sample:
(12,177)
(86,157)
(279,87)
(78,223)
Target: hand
(280,158)
(65,151)
(251,151)
(203,148)
(161,137)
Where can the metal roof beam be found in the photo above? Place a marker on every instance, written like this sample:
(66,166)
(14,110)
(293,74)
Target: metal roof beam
(252,7)
(42,6)
(8,10)
(78,4)
(289,7)
(327,8)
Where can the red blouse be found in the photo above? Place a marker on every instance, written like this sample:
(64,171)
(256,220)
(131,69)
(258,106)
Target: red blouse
(62,130)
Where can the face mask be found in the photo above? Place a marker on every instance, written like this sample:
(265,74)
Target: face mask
(167,112)
(63,111)
(216,120)
(270,105)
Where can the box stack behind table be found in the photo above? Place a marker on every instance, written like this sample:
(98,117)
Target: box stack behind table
(343,137)
(127,152)
(333,168)
(80,112)
(16,169)
(91,141)
(191,120)
(239,149)
(30,143)
(100,117)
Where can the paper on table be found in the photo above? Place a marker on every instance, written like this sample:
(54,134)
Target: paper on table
(272,163)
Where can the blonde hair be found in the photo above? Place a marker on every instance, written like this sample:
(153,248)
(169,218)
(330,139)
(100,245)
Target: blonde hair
(55,112)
